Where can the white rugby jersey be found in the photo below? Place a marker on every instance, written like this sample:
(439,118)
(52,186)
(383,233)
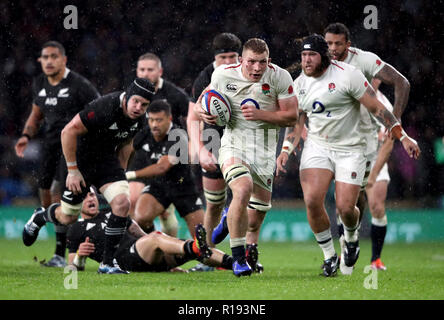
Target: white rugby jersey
(369,64)
(275,84)
(331,104)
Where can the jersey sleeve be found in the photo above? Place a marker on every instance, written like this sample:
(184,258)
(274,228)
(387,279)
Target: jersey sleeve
(284,85)
(35,91)
(182,101)
(87,92)
(357,84)
(216,78)
(139,139)
(96,114)
(371,63)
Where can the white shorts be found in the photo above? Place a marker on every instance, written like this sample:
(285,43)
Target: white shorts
(383,174)
(348,167)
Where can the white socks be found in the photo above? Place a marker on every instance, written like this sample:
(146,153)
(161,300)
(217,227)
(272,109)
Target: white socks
(325,241)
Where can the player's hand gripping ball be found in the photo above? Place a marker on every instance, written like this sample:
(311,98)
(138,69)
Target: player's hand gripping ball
(216,104)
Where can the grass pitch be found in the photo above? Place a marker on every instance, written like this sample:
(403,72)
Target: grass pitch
(415,271)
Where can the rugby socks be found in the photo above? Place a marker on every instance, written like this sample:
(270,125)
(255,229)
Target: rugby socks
(378,232)
(48,216)
(227,262)
(189,248)
(325,241)
(340,226)
(114,231)
(60,240)
(351,233)
(238,249)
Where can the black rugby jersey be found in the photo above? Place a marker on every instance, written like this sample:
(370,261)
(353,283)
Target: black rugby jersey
(60,103)
(108,127)
(180,175)
(176,97)
(93,228)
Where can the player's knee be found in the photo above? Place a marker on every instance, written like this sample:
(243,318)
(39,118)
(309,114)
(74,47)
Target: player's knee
(120,204)
(345,208)
(233,175)
(117,189)
(313,203)
(377,210)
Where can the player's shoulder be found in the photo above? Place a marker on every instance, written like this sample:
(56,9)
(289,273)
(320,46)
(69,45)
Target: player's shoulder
(39,80)
(361,55)
(341,67)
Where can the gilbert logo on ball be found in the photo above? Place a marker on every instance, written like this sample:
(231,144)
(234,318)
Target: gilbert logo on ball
(216,104)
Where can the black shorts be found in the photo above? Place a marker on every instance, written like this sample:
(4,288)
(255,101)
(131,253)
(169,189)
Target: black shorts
(217,174)
(129,259)
(185,202)
(97,173)
(52,165)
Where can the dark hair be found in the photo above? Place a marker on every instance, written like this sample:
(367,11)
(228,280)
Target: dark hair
(159,106)
(150,56)
(256,45)
(55,44)
(226,42)
(338,28)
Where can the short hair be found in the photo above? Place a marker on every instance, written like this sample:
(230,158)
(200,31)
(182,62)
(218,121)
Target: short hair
(150,56)
(226,42)
(159,106)
(256,45)
(55,44)
(338,28)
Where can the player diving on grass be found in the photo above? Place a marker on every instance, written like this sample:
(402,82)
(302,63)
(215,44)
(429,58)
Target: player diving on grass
(137,251)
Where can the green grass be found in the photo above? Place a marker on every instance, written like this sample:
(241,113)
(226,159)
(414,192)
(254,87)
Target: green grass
(415,271)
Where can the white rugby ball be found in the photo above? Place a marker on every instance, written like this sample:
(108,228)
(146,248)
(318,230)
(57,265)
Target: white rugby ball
(216,104)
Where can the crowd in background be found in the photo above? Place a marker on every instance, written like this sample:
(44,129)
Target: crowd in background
(112,35)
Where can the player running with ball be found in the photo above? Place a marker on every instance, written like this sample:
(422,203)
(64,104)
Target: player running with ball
(262,99)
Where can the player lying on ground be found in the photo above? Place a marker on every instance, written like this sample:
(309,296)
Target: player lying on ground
(137,251)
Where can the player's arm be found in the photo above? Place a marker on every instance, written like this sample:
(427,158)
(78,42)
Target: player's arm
(125,152)
(393,77)
(31,128)
(378,109)
(382,157)
(194,133)
(291,141)
(70,132)
(78,259)
(159,168)
(285,116)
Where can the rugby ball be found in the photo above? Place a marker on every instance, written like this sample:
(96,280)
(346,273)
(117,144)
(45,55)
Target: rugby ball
(216,104)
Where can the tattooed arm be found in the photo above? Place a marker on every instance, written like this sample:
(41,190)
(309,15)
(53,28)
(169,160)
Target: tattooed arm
(387,118)
(391,76)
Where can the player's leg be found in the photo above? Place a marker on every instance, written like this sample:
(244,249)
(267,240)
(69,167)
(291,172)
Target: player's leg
(215,196)
(238,178)
(315,183)
(135,189)
(259,204)
(58,259)
(116,194)
(168,221)
(148,208)
(64,213)
(377,196)
(153,247)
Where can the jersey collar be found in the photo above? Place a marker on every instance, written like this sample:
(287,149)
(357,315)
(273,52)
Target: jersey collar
(65,75)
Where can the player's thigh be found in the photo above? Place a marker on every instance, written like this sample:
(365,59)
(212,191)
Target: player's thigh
(135,189)
(346,195)
(315,183)
(148,207)
(148,248)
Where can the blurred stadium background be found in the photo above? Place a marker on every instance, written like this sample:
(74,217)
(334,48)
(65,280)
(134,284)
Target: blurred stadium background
(110,37)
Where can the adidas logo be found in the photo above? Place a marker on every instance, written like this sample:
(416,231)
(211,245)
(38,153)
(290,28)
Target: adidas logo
(90,225)
(42,93)
(114,126)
